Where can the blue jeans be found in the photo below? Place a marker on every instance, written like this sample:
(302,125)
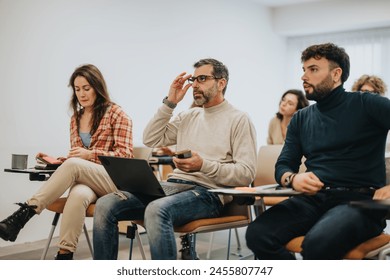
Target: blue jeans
(160,216)
(331,227)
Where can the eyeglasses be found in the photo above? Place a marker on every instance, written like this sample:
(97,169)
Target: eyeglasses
(201,78)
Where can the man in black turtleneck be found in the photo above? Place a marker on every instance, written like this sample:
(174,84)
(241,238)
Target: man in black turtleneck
(343,139)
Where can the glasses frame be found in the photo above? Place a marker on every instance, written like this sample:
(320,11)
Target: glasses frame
(205,77)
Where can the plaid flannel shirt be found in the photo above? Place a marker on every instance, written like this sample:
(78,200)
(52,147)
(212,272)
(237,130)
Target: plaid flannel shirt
(113,137)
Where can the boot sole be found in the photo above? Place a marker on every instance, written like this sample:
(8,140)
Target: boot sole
(6,238)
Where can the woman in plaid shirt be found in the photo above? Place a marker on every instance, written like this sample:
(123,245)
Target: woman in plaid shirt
(98,127)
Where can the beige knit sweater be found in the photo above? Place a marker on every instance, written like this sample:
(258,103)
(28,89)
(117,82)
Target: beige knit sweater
(223,136)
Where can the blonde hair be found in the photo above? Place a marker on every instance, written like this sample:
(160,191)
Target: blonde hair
(374,81)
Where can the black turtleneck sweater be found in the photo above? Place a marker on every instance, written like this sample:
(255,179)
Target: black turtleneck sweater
(343,139)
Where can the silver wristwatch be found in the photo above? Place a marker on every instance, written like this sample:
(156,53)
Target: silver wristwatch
(169,103)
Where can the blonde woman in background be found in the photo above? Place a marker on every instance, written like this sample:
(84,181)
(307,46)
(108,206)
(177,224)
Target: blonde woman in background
(375,85)
(372,84)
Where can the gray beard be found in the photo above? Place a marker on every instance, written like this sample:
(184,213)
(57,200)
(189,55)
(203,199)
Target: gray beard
(201,101)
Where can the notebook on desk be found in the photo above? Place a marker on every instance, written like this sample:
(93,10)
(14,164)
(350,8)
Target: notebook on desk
(136,176)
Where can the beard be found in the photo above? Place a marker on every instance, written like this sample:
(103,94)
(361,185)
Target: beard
(205,96)
(321,90)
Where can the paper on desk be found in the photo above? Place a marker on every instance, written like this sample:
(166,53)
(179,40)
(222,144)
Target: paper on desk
(267,190)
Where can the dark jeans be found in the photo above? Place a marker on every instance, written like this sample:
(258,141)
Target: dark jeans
(331,227)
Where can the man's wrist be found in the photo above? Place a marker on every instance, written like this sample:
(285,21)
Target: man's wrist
(169,103)
(288,181)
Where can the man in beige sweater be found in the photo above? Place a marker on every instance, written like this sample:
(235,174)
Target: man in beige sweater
(223,154)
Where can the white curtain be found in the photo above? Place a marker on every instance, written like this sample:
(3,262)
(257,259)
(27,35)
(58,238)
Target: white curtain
(369,52)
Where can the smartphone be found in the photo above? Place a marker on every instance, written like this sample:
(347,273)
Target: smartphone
(183,154)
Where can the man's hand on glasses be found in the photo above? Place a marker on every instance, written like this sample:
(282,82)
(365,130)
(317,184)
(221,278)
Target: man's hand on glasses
(201,78)
(178,89)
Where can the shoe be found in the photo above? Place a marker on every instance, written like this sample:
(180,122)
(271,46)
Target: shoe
(10,227)
(187,250)
(67,256)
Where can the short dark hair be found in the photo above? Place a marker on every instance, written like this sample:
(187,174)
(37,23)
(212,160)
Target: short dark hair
(219,69)
(302,101)
(331,52)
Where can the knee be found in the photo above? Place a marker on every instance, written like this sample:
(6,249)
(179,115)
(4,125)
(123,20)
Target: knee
(314,248)
(155,211)
(256,236)
(81,196)
(70,162)
(104,206)
(69,167)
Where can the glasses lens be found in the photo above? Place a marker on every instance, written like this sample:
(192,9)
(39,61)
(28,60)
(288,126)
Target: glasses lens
(191,80)
(201,78)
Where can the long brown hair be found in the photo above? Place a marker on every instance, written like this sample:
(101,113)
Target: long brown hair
(95,78)
(302,101)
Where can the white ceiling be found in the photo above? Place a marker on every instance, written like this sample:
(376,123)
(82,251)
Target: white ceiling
(279,3)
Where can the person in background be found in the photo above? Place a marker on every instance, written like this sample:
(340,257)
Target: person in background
(290,102)
(222,141)
(342,136)
(376,85)
(97,127)
(372,84)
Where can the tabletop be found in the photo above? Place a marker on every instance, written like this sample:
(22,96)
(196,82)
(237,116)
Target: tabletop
(34,174)
(266,190)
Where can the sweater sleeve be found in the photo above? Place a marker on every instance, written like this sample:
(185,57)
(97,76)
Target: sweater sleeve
(378,108)
(160,131)
(291,155)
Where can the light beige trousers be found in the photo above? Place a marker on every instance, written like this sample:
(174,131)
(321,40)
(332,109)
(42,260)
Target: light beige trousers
(86,182)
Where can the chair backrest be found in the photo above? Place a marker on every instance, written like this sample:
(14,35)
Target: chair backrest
(142,152)
(266,160)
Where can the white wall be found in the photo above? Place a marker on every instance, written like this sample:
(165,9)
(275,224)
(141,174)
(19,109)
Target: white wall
(140,46)
(330,16)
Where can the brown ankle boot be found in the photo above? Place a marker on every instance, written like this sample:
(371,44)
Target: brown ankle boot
(10,227)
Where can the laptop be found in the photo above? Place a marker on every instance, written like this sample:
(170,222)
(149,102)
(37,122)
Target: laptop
(136,176)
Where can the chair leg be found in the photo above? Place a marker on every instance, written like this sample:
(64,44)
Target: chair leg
(383,254)
(229,239)
(238,252)
(51,233)
(238,240)
(53,227)
(192,244)
(140,245)
(211,241)
(228,247)
(259,207)
(131,229)
(88,240)
(132,232)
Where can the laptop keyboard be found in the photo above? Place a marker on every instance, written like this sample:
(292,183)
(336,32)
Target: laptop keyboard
(175,188)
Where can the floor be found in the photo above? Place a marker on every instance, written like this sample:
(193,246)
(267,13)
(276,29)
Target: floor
(33,251)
